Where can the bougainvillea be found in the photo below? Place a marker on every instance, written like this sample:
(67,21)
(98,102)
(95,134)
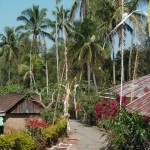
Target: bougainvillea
(109,108)
(124,100)
(33,125)
(147,119)
(106,109)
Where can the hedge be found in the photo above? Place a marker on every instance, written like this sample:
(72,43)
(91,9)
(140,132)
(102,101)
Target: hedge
(17,141)
(23,141)
(53,133)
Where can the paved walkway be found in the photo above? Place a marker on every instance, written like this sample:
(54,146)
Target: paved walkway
(82,137)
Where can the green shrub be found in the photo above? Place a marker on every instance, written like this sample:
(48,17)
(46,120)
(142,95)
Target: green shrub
(6,143)
(47,115)
(17,141)
(23,141)
(53,133)
(129,132)
(10,89)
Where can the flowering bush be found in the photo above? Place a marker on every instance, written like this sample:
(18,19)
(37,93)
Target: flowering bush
(107,108)
(124,100)
(129,132)
(147,119)
(34,125)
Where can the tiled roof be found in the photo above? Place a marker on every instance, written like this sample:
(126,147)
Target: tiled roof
(8,101)
(140,90)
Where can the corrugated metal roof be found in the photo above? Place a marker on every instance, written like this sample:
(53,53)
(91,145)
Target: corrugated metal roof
(138,87)
(141,105)
(8,101)
(140,90)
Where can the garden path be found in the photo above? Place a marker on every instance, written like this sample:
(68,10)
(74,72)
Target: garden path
(82,137)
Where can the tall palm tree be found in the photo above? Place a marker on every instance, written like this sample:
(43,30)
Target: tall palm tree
(37,68)
(35,24)
(63,27)
(9,49)
(82,5)
(111,14)
(88,45)
(56,38)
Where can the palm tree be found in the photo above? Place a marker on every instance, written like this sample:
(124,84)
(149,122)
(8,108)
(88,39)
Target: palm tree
(9,48)
(37,67)
(111,15)
(83,6)
(35,24)
(88,44)
(63,27)
(56,38)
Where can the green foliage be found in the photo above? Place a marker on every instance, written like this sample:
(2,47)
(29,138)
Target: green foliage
(52,133)
(10,89)
(47,115)
(6,143)
(129,132)
(23,141)
(87,102)
(17,141)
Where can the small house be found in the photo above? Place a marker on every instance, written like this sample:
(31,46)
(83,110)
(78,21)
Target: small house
(14,108)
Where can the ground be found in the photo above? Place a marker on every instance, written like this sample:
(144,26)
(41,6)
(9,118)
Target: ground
(82,137)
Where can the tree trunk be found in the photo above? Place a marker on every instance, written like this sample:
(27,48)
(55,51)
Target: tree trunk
(56,43)
(130,56)
(88,75)
(9,72)
(30,70)
(94,79)
(114,68)
(135,71)
(149,17)
(46,76)
(66,51)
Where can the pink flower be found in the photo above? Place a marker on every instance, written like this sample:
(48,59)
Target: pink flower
(103,102)
(124,98)
(147,119)
(124,103)
(118,98)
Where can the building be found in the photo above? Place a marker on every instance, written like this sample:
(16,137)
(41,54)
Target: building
(14,108)
(139,90)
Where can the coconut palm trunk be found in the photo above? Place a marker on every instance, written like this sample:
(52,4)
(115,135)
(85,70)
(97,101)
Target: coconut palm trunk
(9,73)
(114,67)
(31,69)
(56,43)
(122,55)
(149,17)
(130,56)
(65,46)
(88,74)
(94,79)
(47,78)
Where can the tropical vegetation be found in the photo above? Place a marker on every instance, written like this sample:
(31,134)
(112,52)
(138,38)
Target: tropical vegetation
(83,61)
